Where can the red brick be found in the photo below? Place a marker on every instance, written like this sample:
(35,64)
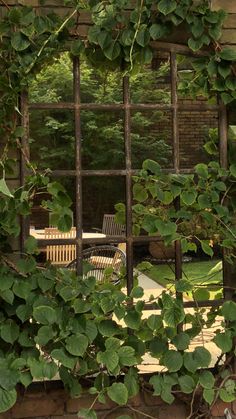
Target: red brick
(85,401)
(150,400)
(219,408)
(34,407)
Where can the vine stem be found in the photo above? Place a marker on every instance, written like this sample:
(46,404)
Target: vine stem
(233,376)
(135,35)
(191,405)
(48,39)
(140,412)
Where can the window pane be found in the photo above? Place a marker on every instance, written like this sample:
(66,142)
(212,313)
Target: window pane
(152,83)
(151,136)
(52,141)
(198,137)
(100,85)
(102,135)
(54,83)
(100,195)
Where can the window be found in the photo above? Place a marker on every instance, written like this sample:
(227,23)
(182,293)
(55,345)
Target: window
(93,130)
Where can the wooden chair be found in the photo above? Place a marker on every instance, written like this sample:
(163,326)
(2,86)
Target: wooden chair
(110,227)
(99,258)
(60,254)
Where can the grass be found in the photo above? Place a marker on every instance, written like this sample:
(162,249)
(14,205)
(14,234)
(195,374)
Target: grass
(204,275)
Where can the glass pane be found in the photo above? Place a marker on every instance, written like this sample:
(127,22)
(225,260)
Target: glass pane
(100,195)
(152,84)
(102,140)
(190,84)
(52,141)
(40,217)
(100,85)
(151,136)
(54,83)
(198,137)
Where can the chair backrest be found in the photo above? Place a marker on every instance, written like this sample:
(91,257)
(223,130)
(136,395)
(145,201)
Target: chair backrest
(99,259)
(110,227)
(60,254)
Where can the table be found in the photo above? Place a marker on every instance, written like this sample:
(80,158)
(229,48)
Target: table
(40,234)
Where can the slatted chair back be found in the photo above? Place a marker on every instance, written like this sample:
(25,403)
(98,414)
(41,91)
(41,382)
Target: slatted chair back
(60,254)
(110,227)
(99,259)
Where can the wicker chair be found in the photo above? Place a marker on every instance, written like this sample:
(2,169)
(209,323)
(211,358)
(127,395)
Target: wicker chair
(99,259)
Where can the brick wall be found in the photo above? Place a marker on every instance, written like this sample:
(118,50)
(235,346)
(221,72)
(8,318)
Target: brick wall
(50,401)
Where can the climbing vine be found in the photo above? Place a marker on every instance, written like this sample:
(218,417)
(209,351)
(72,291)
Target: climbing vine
(55,323)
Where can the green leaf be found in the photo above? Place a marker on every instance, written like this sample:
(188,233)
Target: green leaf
(226,396)
(26,265)
(9,331)
(8,296)
(77,47)
(209,395)
(139,193)
(108,328)
(187,384)
(174,315)
(118,393)
(143,37)
(201,294)
(133,319)
(206,248)
(188,197)
(7,399)
(167,6)
(137,292)
(19,42)
(22,289)
(77,344)
(152,166)
(173,360)
(224,341)
(183,285)
(228,54)
(87,414)
(154,322)
(8,378)
(190,362)
(166,228)
(45,315)
(157,31)
(112,343)
(127,356)
(232,170)
(31,246)
(206,379)
(131,382)
(181,341)
(202,170)
(202,356)
(45,334)
(195,44)
(108,358)
(66,360)
(112,51)
(228,310)
(4,188)
(81,306)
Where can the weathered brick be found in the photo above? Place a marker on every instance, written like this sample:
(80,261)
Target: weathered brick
(228,5)
(84,402)
(32,407)
(219,408)
(150,400)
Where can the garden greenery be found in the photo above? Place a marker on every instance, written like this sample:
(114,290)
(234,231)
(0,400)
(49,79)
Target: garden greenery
(53,322)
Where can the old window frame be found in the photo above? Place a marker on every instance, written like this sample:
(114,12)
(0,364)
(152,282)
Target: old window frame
(79,173)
